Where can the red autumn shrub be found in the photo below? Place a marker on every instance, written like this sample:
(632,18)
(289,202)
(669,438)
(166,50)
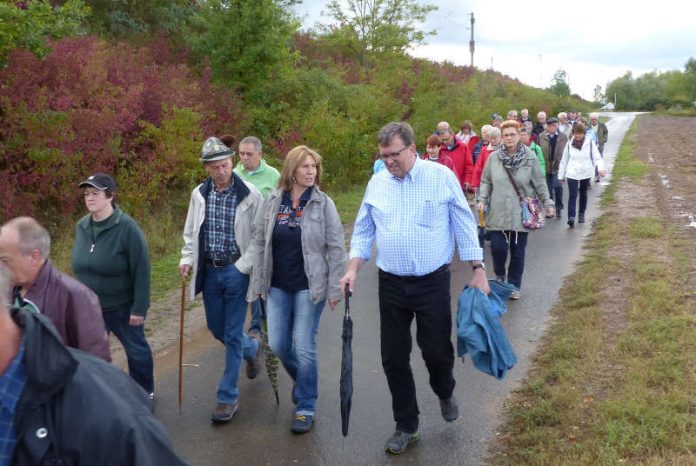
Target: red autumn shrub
(136,113)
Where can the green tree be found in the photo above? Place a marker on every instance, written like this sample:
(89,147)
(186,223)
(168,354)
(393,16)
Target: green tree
(28,24)
(559,84)
(376,26)
(247,42)
(127,17)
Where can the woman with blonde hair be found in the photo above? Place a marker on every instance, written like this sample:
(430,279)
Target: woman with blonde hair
(300,259)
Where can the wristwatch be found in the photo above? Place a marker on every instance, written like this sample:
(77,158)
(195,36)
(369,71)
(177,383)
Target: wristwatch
(478,266)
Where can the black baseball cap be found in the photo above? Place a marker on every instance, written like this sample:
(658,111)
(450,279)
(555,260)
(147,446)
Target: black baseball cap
(99,181)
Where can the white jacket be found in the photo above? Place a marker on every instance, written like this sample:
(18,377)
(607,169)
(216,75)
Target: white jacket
(248,206)
(580,164)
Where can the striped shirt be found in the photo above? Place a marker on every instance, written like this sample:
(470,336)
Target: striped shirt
(220,208)
(415,221)
(11,387)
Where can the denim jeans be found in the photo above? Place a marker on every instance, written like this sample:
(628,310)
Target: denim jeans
(555,190)
(573,187)
(516,242)
(258,313)
(224,297)
(293,321)
(427,299)
(138,351)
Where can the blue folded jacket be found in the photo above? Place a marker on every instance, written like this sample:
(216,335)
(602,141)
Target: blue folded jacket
(479,332)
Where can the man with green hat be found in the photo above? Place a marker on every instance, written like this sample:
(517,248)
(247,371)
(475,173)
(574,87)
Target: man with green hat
(218,252)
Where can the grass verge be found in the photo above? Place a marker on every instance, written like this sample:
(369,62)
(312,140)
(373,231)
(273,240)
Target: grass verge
(612,382)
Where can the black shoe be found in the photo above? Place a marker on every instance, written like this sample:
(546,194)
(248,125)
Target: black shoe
(254,366)
(302,423)
(398,442)
(581,218)
(558,213)
(571,222)
(224,412)
(449,409)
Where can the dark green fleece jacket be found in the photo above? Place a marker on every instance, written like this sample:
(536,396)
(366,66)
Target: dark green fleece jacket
(113,261)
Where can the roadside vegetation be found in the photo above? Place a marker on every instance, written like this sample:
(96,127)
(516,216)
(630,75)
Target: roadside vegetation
(134,88)
(612,382)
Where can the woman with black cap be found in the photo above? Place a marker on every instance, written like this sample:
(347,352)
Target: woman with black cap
(110,256)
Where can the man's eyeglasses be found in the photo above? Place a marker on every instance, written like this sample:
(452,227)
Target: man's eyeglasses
(393,154)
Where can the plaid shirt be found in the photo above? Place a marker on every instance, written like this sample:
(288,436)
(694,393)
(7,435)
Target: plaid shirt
(11,387)
(220,208)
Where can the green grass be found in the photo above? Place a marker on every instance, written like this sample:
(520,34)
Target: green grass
(348,202)
(613,381)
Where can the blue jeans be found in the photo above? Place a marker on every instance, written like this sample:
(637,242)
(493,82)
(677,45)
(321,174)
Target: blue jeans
(138,351)
(293,321)
(555,190)
(516,242)
(258,313)
(224,297)
(573,186)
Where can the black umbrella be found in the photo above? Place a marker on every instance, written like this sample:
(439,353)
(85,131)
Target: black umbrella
(346,385)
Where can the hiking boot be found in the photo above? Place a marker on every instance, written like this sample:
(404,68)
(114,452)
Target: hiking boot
(571,222)
(399,441)
(449,409)
(224,412)
(581,218)
(515,295)
(302,423)
(254,366)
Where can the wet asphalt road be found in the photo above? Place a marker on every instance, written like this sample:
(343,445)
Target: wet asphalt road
(259,434)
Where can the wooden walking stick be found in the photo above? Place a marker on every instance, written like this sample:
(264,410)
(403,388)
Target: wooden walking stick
(181,341)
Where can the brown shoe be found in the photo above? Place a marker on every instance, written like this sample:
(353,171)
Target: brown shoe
(224,412)
(254,366)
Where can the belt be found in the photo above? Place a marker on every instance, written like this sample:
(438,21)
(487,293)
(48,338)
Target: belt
(217,263)
(414,278)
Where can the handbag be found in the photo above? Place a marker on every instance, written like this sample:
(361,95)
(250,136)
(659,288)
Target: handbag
(532,210)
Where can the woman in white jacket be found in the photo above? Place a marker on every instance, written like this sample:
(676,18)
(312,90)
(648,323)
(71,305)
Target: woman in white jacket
(580,157)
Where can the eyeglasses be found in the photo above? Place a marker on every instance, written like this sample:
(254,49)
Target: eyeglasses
(509,135)
(393,154)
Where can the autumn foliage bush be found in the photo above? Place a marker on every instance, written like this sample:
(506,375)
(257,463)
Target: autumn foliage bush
(138,113)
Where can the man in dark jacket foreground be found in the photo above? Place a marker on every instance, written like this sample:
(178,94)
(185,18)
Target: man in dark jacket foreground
(62,406)
(70,306)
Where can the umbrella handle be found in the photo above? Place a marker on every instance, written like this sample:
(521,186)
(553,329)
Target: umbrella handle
(348,295)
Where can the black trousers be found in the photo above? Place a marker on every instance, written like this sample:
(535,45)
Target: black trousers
(426,298)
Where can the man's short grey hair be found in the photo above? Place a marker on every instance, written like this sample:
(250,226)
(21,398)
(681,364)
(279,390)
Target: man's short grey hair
(32,235)
(256,142)
(512,114)
(397,128)
(486,128)
(493,132)
(594,115)
(562,115)
(4,288)
(540,114)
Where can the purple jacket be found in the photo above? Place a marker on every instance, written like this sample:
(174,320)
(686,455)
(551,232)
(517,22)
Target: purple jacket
(72,308)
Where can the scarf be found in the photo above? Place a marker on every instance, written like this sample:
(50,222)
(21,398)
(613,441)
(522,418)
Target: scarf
(511,161)
(578,144)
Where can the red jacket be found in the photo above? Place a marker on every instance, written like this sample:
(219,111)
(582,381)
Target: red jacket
(443,159)
(461,156)
(72,308)
(480,165)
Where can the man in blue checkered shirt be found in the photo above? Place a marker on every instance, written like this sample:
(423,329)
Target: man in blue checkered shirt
(415,211)
(59,405)
(218,252)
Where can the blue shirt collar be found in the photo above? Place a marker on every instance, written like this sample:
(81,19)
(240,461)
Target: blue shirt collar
(412,174)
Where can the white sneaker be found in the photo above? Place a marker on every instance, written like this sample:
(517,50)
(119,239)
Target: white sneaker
(515,295)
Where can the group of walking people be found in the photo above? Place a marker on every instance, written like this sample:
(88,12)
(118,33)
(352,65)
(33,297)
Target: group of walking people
(274,240)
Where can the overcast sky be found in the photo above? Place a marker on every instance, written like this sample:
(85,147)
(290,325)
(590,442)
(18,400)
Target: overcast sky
(594,42)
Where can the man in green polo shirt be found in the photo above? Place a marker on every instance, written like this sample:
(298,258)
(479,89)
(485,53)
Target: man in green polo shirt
(254,169)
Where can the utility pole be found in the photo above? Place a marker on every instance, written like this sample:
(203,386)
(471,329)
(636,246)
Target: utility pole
(471,42)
